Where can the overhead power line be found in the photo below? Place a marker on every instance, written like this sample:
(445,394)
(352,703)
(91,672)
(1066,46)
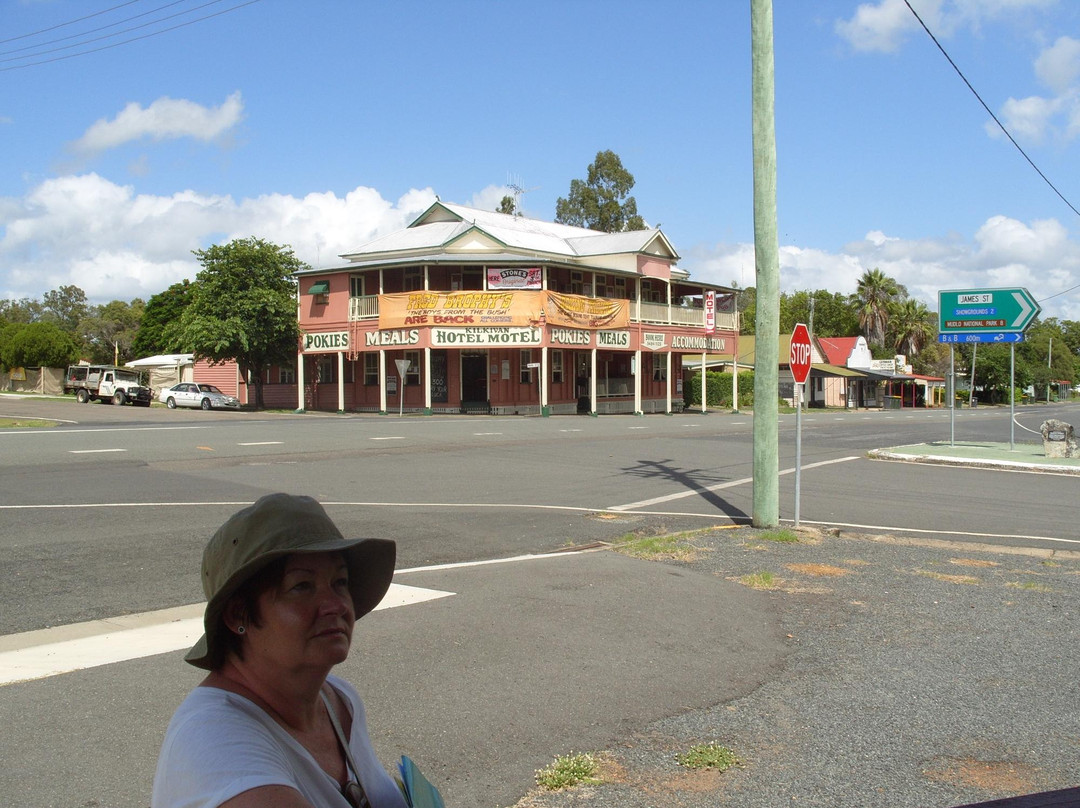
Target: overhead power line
(989,111)
(120,42)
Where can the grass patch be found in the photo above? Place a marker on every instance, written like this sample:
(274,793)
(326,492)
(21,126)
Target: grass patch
(708,756)
(782,535)
(676,546)
(22,423)
(1030,586)
(760,580)
(569,770)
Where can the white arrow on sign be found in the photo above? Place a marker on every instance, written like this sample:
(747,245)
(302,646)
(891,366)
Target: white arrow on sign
(1025,310)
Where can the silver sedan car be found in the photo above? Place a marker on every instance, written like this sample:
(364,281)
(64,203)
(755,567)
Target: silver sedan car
(190,394)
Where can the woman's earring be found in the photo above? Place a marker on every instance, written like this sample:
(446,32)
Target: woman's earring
(240,629)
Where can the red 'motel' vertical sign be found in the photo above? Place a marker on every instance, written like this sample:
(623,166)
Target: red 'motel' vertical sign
(799,359)
(710,311)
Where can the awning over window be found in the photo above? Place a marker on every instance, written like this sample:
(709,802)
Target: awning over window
(319,288)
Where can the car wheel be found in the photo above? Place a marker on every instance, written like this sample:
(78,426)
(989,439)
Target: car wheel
(82,396)
(119,398)
(171,403)
(206,403)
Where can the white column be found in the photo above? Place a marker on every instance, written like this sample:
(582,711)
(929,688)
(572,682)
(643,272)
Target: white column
(592,383)
(341,381)
(382,378)
(637,381)
(544,379)
(300,381)
(427,379)
(670,369)
(704,397)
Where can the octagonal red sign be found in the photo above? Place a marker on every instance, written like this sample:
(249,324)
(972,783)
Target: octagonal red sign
(799,360)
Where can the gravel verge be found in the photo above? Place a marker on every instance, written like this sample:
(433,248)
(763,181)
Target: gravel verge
(921,673)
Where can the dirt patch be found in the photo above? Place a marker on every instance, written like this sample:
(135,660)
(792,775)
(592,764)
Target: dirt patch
(951,579)
(701,781)
(822,570)
(992,776)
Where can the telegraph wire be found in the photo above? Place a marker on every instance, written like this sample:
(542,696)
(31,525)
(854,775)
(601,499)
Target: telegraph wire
(108,36)
(128,41)
(69,22)
(989,111)
(84,33)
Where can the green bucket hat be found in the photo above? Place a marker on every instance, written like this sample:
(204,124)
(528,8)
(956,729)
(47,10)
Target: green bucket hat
(278,525)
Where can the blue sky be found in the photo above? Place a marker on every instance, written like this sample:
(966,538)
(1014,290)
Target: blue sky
(325,123)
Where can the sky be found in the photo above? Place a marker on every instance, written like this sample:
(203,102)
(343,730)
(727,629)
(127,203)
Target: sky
(133,133)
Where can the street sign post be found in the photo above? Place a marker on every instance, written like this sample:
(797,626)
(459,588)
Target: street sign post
(799,357)
(402,369)
(975,316)
(799,362)
(985,311)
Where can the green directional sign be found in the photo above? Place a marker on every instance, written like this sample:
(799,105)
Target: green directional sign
(978,311)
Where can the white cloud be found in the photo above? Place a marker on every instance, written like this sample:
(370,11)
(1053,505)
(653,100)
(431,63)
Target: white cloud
(116,244)
(165,119)
(1004,252)
(1059,65)
(884,25)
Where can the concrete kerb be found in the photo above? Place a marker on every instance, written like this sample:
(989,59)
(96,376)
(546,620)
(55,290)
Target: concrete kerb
(979,455)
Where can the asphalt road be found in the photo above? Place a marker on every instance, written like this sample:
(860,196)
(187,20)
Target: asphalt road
(107,516)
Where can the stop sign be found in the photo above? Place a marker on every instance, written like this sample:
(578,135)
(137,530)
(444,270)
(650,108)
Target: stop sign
(799,360)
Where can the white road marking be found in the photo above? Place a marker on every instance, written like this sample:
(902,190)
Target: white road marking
(262,443)
(478,434)
(696,491)
(390,437)
(52,651)
(94,451)
(7,432)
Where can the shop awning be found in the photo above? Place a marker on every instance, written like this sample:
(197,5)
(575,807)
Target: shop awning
(319,288)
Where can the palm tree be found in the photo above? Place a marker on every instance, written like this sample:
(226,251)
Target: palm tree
(911,326)
(874,296)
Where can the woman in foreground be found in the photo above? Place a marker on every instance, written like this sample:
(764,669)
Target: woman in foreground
(270,726)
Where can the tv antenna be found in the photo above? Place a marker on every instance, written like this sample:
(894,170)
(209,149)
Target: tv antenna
(516,186)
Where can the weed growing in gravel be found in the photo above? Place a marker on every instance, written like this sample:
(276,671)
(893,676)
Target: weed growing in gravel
(15,423)
(676,545)
(708,756)
(759,580)
(569,770)
(1031,586)
(781,535)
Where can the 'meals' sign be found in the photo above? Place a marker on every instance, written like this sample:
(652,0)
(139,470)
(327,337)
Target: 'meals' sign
(325,342)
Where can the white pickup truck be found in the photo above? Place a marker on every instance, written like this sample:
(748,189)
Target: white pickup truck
(107,384)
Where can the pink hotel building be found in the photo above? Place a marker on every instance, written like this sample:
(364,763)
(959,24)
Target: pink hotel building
(470,311)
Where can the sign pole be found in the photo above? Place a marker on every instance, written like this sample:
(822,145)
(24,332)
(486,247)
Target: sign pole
(952,395)
(798,449)
(1012,396)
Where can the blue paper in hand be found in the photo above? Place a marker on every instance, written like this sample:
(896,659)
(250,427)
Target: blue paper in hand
(419,792)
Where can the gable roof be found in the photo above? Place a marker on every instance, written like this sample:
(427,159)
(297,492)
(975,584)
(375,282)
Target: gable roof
(445,227)
(837,349)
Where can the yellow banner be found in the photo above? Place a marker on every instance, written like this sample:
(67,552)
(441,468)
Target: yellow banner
(574,311)
(509,308)
(458,309)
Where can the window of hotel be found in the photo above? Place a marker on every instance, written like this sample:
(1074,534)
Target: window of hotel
(556,367)
(577,287)
(525,374)
(287,374)
(620,288)
(371,369)
(659,367)
(412,375)
(413,280)
(356,285)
